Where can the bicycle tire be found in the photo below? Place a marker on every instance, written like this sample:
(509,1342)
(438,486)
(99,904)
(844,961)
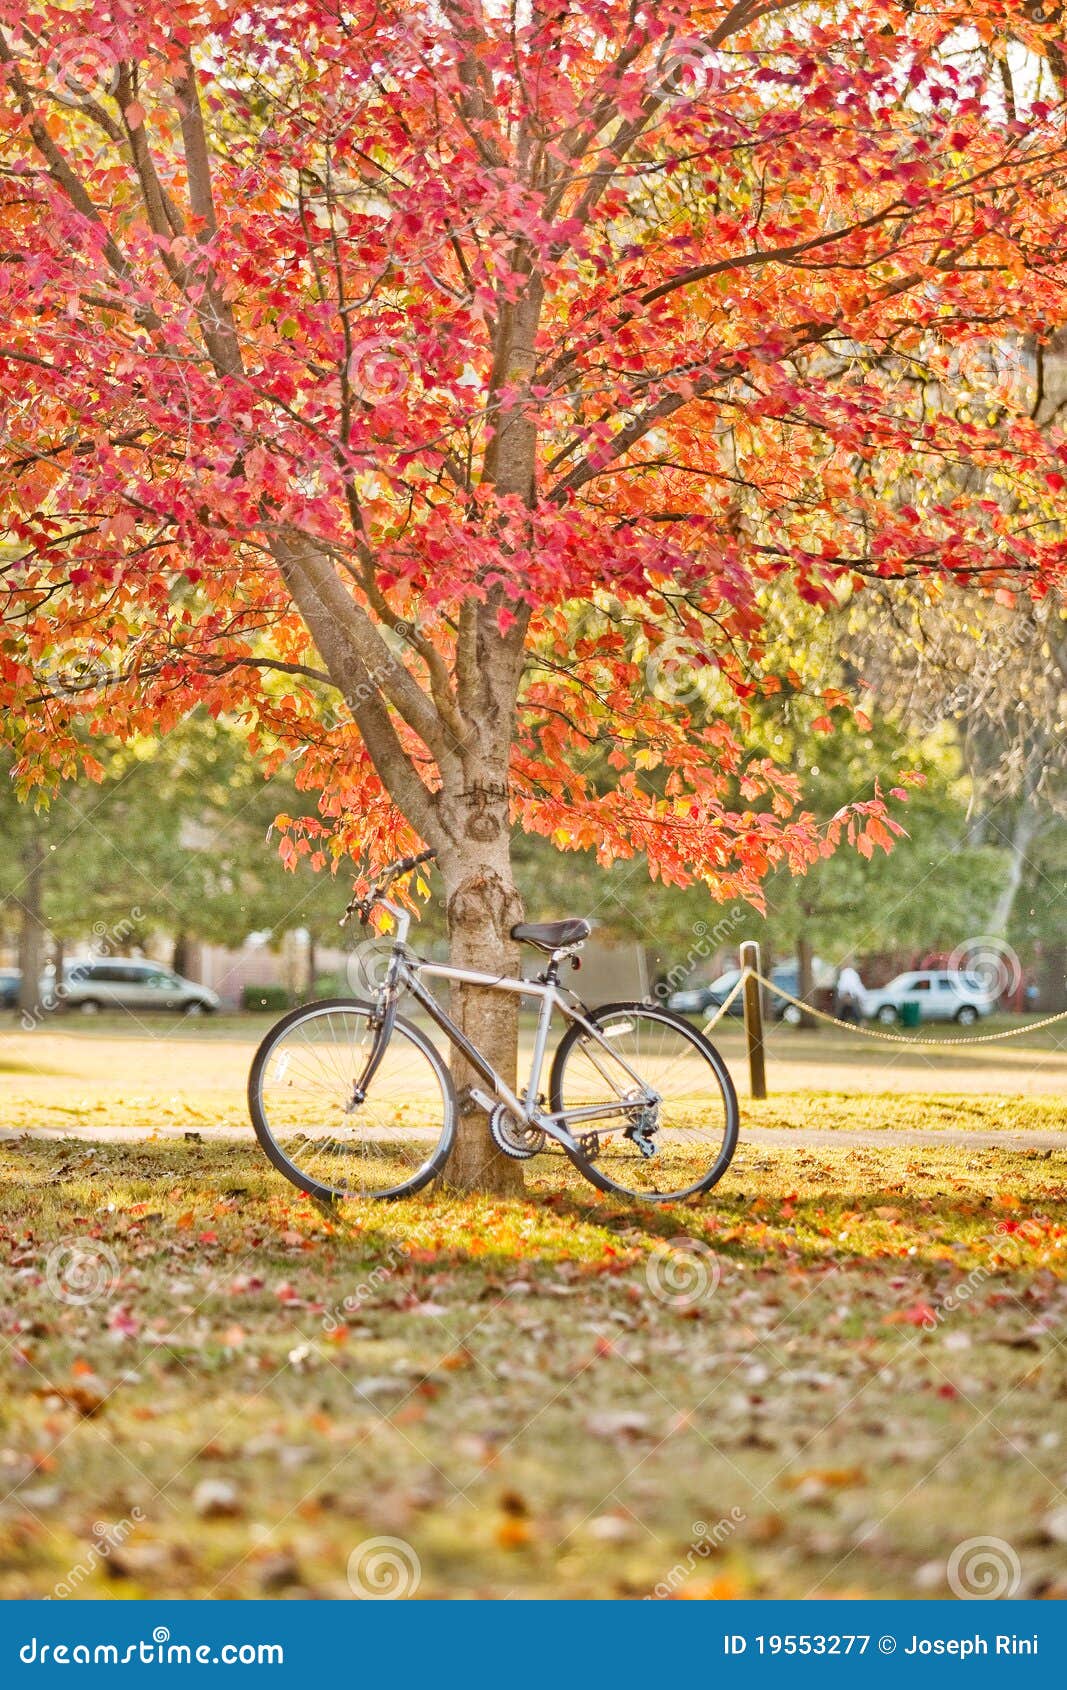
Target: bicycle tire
(704,1048)
(402,1028)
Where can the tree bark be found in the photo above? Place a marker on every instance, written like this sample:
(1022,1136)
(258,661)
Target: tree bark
(483,905)
(31,930)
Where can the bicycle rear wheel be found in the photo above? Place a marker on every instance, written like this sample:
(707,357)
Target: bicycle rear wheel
(680,1146)
(319,1134)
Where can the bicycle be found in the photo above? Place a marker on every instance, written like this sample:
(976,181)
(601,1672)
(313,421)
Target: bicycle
(349,1098)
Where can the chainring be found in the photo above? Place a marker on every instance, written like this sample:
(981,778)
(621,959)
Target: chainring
(513,1137)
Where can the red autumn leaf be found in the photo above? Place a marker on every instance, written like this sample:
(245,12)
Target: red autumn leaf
(920,1314)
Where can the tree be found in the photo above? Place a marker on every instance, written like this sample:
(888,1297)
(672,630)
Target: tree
(348,354)
(928,893)
(170,842)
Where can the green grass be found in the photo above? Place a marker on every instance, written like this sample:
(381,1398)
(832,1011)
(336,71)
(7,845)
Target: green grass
(908,1112)
(505,1392)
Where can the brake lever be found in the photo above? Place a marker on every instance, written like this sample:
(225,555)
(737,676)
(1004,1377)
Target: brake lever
(350,910)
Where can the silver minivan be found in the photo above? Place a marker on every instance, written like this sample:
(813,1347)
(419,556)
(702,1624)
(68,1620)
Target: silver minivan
(126,983)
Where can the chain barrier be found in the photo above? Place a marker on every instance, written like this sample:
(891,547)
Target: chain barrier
(872,1032)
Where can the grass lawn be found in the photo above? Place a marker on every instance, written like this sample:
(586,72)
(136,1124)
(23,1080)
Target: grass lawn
(822,1379)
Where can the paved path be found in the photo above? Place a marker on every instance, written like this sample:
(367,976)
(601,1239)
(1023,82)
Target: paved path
(751,1136)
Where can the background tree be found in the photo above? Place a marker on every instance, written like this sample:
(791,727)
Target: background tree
(170,843)
(359,349)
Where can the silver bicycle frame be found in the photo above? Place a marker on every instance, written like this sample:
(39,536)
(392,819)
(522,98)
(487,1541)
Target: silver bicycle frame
(407,972)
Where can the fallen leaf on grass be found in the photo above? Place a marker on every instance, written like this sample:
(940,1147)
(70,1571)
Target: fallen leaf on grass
(216,1499)
(825,1478)
(513,1533)
(88,1394)
(920,1314)
(725,1588)
(620,1425)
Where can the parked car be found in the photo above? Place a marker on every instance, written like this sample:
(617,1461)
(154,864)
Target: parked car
(125,983)
(10,981)
(701,1000)
(940,994)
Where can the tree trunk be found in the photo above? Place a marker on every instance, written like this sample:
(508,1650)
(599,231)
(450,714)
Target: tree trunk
(59,971)
(483,905)
(179,959)
(805,978)
(312,967)
(31,930)
(1022,837)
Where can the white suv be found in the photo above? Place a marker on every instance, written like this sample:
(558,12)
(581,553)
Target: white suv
(124,983)
(941,996)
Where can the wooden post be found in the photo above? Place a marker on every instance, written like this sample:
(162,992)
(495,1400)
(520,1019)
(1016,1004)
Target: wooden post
(753,1001)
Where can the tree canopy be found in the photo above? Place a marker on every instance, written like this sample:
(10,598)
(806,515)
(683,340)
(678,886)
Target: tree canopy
(396,331)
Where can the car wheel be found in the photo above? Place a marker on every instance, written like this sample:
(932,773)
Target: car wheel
(193,1006)
(966,1015)
(89,1006)
(887,1015)
(791,1015)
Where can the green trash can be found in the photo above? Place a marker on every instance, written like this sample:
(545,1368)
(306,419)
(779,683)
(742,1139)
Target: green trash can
(911,1013)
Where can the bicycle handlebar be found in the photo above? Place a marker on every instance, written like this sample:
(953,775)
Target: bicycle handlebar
(403,865)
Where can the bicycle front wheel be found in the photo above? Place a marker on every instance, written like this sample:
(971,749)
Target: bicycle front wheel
(318,1131)
(660,1113)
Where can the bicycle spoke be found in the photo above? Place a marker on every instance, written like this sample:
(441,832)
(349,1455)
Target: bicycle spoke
(307,1115)
(678,1133)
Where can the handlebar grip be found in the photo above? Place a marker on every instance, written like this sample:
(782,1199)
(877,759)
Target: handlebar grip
(407,863)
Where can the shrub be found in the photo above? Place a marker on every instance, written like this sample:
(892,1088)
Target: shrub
(274,998)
